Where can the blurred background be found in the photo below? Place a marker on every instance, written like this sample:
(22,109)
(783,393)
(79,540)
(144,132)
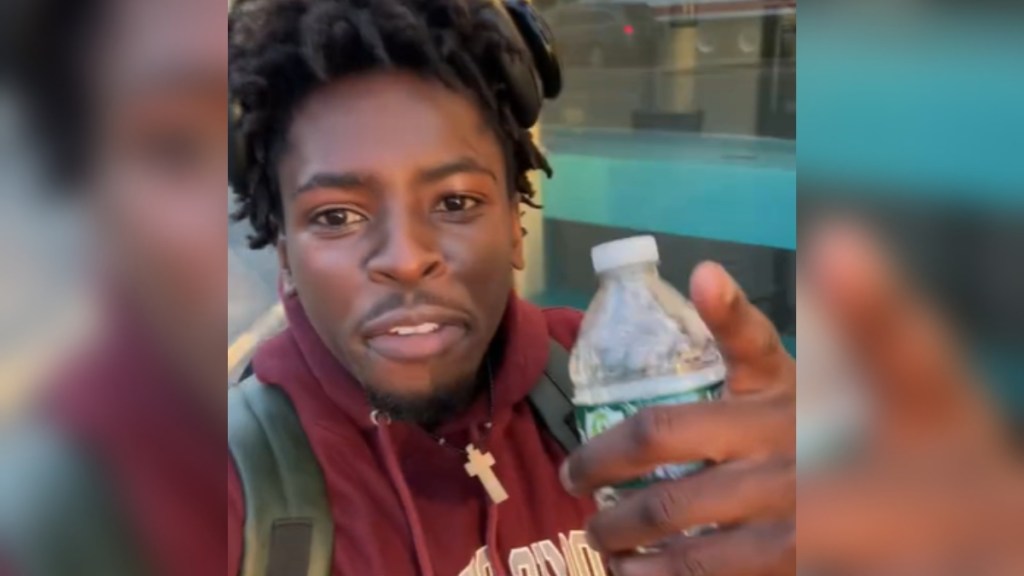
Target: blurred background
(44,309)
(108,153)
(678,119)
(912,119)
(912,126)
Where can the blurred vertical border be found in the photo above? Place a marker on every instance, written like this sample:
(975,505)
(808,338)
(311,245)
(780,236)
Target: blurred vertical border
(912,117)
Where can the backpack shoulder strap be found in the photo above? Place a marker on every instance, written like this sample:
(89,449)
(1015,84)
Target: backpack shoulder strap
(58,516)
(289,530)
(551,398)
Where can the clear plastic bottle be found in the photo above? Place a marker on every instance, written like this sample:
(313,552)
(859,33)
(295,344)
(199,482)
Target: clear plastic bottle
(641,344)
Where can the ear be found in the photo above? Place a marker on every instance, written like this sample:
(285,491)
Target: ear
(281,246)
(287,283)
(518,257)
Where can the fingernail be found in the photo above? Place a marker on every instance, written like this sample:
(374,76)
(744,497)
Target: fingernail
(731,292)
(714,282)
(563,475)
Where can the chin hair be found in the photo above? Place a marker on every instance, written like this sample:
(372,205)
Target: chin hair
(426,410)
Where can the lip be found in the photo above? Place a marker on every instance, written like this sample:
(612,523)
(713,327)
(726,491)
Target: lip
(384,324)
(452,327)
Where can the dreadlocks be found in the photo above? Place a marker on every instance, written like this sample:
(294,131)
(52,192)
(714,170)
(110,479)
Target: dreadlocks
(45,50)
(281,51)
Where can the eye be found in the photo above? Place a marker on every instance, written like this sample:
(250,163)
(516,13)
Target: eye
(456,203)
(173,151)
(337,218)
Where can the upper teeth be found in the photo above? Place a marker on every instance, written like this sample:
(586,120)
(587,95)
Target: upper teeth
(425,328)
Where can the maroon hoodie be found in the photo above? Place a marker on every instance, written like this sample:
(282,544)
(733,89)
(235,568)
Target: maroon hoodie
(403,504)
(158,450)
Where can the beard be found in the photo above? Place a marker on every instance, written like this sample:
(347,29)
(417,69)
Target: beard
(443,403)
(426,410)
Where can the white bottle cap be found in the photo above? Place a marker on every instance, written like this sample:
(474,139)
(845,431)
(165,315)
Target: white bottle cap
(625,252)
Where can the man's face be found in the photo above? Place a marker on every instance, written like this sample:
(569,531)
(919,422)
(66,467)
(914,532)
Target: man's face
(400,234)
(160,177)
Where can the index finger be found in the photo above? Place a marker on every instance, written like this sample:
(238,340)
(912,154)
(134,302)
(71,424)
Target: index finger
(708,431)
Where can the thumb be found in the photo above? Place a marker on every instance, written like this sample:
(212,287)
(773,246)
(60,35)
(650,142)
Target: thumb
(748,340)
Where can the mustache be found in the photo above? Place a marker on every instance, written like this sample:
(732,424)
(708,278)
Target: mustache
(400,300)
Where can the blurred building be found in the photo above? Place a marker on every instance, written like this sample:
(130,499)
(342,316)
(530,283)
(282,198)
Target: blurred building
(912,119)
(678,119)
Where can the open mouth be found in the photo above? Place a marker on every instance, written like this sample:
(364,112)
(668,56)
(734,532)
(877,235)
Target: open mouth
(415,335)
(416,343)
(424,328)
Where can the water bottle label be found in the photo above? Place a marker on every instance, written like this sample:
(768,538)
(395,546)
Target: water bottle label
(593,420)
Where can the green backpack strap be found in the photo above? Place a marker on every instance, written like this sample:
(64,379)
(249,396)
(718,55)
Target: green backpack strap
(58,516)
(289,530)
(551,398)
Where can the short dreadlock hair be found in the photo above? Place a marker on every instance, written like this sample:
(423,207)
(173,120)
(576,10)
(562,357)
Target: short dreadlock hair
(281,51)
(45,49)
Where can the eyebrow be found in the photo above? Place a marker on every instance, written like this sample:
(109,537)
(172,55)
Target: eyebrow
(174,82)
(339,181)
(462,165)
(434,174)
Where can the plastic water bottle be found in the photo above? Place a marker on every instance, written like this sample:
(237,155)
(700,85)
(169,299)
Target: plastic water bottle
(641,344)
(832,408)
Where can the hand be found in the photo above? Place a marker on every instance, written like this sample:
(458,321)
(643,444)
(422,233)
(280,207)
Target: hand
(936,489)
(749,436)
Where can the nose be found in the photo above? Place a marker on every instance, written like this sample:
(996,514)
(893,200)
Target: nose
(407,252)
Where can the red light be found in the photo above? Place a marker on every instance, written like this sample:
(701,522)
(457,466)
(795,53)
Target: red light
(628,29)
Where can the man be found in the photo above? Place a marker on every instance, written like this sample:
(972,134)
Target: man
(132,115)
(389,166)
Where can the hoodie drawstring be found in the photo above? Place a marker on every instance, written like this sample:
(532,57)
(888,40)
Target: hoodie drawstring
(419,538)
(492,539)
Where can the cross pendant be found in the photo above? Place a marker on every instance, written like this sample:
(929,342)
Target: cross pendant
(480,465)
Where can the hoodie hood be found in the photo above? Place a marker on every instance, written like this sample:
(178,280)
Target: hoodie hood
(521,365)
